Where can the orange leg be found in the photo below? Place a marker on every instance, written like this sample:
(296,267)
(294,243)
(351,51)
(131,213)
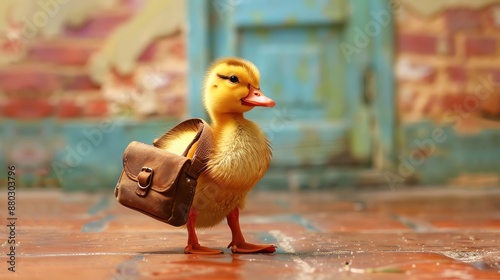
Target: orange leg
(193,247)
(238,244)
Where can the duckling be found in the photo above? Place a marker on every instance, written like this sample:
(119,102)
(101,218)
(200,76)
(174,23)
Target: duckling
(240,157)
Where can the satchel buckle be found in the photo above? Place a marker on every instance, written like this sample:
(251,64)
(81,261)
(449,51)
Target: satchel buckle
(149,179)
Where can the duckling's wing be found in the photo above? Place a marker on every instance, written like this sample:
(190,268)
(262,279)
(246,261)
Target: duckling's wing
(178,139)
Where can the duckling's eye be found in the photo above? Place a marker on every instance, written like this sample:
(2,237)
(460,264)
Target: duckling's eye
(234,79)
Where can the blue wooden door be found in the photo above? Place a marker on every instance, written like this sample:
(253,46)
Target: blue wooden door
(325,112)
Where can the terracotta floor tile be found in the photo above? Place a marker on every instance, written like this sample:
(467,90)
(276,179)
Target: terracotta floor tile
(411,234)
(355,222)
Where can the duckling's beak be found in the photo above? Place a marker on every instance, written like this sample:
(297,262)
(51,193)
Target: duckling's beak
(255,97)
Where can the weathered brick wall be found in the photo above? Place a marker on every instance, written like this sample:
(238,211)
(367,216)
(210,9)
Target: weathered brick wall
(51,99)
(448,66)
(52,77)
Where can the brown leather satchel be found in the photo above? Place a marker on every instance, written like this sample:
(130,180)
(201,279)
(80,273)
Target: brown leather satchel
(161,184)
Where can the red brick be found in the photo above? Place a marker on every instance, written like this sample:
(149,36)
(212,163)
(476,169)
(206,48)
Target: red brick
(464,102)
(96,108)
(68,109)
(424,44)
(480,45)
(99,26)
(491,106)
(457,74)
(67,53)
(449,101)
(462,19)
(80,81)
(12,46)
(28,79)
(28,109)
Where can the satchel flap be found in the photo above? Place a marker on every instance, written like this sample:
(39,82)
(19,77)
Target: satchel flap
(166,165)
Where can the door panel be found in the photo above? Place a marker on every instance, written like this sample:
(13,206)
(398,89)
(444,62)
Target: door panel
(279,12)
(321,117)
(297,69)
(295,44)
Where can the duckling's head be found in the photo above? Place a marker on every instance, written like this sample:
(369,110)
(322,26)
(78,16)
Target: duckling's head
(232,85)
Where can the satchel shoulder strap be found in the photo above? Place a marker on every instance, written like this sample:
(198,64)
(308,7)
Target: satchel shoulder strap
(204,137)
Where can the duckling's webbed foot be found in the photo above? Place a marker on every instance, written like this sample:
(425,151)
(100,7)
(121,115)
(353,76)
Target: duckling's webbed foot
(238,244)
(201,250)
(248,248)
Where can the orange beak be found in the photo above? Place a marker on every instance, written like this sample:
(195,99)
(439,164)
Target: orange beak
(255,97)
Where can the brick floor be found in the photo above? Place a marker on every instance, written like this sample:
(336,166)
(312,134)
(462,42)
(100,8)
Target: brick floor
(407,234)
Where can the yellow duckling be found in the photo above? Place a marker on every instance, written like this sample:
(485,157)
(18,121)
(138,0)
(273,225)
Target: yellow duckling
(241,154)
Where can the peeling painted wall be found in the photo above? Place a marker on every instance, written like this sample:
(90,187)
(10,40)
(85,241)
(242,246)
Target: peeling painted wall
(448,77)
(70,68)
